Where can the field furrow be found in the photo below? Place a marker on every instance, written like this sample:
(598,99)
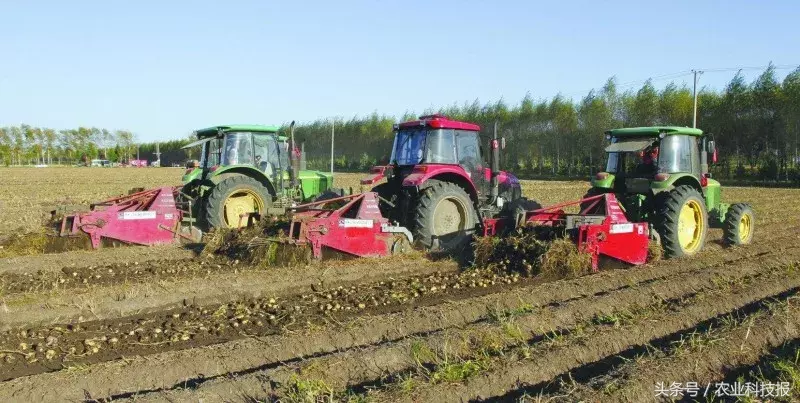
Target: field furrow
(369,330)
(171,324)
(357,369)
(507,375)
(700,357)
(131,289)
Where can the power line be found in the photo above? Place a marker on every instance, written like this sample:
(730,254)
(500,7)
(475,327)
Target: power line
(779,67)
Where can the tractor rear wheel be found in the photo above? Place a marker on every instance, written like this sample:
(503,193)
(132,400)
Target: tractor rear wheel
(738,226)
(232,199)
(445,218)
(682,222)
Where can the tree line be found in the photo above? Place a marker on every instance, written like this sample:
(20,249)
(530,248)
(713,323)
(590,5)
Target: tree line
(756,126)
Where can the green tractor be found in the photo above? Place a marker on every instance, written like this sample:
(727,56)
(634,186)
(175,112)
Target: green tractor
(246,169)
(660,174)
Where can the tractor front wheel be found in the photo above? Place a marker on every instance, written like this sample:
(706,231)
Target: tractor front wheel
(232,199)
(682,222)
(445,218)
(738,226)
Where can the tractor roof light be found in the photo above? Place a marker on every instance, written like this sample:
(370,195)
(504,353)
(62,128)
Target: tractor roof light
(662,135)
(608,137)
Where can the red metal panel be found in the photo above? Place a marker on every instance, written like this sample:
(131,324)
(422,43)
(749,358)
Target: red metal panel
(440,122)
(615,237)
(144,218)
(358,234)
(378,173)
(422,173)
(626,242)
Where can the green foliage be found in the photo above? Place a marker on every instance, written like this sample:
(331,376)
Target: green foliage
(756,127)
(309,391)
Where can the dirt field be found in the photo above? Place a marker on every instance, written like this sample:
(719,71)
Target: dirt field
(161,324)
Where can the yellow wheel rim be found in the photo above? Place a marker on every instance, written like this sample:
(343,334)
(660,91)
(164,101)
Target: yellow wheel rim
(745,226)
(690,226)
(238,205)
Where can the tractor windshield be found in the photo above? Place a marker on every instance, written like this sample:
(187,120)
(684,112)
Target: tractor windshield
(417,146)
(408,147)
(632,156)
(643,157)
(679,153)
(238,149)
(210,154)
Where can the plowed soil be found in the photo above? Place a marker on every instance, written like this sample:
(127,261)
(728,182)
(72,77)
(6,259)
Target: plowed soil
(166,324)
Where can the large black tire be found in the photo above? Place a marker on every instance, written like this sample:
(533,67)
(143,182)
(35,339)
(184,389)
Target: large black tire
(331,193)
(738,226)
(444,218)
(682,236)
(516,209)
(216,214)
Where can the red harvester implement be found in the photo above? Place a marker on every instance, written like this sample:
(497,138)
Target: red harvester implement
(357,228)
(149,217)
(600,229)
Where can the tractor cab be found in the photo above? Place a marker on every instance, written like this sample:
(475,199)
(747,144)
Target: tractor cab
(246,169)
(438,183)
(436,142)
(250,147)
(654,159)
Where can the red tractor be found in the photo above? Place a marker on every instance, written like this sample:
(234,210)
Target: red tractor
(439,186)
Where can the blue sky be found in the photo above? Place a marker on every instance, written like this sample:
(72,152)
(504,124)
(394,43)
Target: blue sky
(163,68)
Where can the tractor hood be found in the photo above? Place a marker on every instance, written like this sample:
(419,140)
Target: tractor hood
(630,145)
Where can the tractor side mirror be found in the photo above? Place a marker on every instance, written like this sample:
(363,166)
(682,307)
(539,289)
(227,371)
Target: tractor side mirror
(712,149)
(502,143)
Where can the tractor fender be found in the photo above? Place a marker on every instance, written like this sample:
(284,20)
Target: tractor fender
(445,173)
(221,174)
(676,180)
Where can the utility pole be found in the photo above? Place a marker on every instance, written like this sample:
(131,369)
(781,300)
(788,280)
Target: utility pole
(333,133)
(158,155)
(694,95)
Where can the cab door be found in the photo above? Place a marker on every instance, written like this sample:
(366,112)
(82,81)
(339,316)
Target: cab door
(469,157)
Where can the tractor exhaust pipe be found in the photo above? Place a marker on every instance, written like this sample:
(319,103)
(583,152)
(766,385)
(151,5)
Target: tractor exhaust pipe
(495,167)
(294,160)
